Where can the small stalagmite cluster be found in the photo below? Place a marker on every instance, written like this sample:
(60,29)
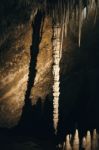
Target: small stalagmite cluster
(89,142)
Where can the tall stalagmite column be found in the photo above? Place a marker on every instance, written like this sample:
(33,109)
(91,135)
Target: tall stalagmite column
(56,45)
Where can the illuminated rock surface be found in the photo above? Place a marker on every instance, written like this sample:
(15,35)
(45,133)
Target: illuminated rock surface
(14,64)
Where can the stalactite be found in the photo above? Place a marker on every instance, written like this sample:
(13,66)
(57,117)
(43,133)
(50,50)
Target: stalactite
(66,20)
(95,11)
(84,13)
(63,11)
(80,22)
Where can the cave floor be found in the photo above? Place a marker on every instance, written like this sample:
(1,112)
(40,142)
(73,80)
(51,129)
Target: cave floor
(25,143)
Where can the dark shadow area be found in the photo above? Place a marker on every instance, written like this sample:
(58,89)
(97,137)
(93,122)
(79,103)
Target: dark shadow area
(42,119)
(39,130)
(26,123)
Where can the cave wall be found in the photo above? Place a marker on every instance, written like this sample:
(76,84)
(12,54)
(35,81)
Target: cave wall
(14,67)
(14,64)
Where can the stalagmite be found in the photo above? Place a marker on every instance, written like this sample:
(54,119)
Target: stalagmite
(76,141)
(64,146)
(95,140)
(56,45)
(68,145)
(84,142)
(70,136)
(88,141)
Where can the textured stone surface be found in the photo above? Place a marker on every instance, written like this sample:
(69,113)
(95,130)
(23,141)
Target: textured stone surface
(14,64)
(43,80)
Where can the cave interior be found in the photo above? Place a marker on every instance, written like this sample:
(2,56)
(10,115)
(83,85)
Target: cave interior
(49,74)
